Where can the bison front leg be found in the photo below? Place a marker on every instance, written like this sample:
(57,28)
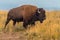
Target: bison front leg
(25,24)
(33,23)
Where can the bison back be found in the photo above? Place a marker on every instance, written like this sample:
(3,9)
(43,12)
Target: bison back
(25,11)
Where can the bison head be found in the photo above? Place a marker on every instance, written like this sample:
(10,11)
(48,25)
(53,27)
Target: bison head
(40,13)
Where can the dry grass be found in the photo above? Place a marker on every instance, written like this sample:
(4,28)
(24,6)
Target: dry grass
(48,30)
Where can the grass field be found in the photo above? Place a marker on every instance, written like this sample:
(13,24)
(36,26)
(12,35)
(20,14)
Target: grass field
(48,30)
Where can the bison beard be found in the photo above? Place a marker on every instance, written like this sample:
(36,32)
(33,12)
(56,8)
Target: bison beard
(27,14)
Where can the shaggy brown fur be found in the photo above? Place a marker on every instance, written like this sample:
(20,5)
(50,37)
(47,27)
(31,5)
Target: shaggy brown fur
(23,13)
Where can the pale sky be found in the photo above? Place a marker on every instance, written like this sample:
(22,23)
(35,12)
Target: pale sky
(46,4)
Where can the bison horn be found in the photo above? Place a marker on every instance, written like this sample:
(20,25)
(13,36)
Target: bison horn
(39,11)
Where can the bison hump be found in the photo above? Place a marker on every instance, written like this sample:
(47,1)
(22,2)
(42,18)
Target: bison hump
(28,11)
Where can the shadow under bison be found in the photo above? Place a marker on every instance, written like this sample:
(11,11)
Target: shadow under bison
(27,14)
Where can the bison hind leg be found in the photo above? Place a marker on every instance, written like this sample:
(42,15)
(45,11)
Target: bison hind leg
(7,21)
(14,22)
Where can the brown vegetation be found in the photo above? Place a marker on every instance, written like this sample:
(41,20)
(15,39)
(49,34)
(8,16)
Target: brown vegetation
(48,30)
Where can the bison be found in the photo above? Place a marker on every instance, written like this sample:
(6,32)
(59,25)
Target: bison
(27,14)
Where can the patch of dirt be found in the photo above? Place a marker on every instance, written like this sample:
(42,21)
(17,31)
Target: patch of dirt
(13,36)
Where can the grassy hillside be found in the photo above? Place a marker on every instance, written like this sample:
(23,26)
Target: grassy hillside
(48,30)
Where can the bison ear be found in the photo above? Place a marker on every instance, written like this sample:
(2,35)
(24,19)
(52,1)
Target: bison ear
(38,11)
